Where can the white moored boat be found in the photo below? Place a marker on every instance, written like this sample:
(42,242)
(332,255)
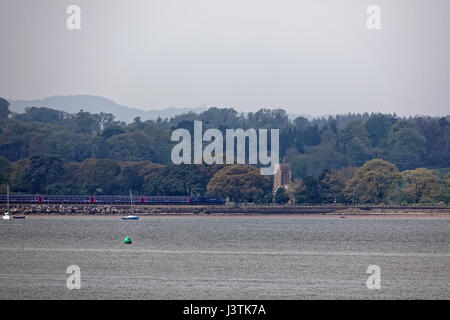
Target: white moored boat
(131,217)
(6,216)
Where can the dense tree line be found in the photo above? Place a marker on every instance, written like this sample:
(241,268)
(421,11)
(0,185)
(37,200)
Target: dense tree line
(310,145)
(81,136)
(50,151)
(375,182)
(49,175)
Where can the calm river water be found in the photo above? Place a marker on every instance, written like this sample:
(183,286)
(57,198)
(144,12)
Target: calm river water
(225,258)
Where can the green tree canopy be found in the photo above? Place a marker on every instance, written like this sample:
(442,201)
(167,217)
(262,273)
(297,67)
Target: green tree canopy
(332,184)
(5,170)
(178,180)
(45,115)
(447,180)
(99,176)
(281,196)
(43,171)
(378,127)
(406,145)
(17,178)
(422,186)
(445,196)
(354,142)
(307,191)
(375,182)
(4,109)
(240,183)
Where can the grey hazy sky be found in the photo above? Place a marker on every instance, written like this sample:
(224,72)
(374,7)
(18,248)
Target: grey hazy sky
(306,56)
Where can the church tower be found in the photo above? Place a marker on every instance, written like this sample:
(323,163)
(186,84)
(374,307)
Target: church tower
(282,176)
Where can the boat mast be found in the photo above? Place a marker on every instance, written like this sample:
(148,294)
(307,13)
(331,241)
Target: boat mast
(7,197)
(131,203)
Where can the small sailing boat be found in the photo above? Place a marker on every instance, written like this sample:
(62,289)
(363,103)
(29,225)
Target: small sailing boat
(7,216)
(131,217)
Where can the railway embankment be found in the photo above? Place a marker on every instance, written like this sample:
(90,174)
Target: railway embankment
(80,209)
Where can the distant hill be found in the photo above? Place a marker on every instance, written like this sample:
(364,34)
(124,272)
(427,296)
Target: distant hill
(96,104)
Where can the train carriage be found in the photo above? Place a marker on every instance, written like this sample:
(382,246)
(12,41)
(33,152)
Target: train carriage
(167,200)
(207,200)
(65,199)
(19,199)
(138,200)
(116,200)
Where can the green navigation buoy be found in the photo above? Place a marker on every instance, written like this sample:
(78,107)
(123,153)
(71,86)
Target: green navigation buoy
(127,240)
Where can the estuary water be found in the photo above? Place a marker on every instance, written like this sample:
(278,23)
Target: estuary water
(267,257)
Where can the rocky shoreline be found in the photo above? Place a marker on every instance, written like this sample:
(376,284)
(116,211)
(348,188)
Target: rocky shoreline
(65,209)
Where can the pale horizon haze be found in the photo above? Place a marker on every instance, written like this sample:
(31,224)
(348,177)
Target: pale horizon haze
(312,57)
